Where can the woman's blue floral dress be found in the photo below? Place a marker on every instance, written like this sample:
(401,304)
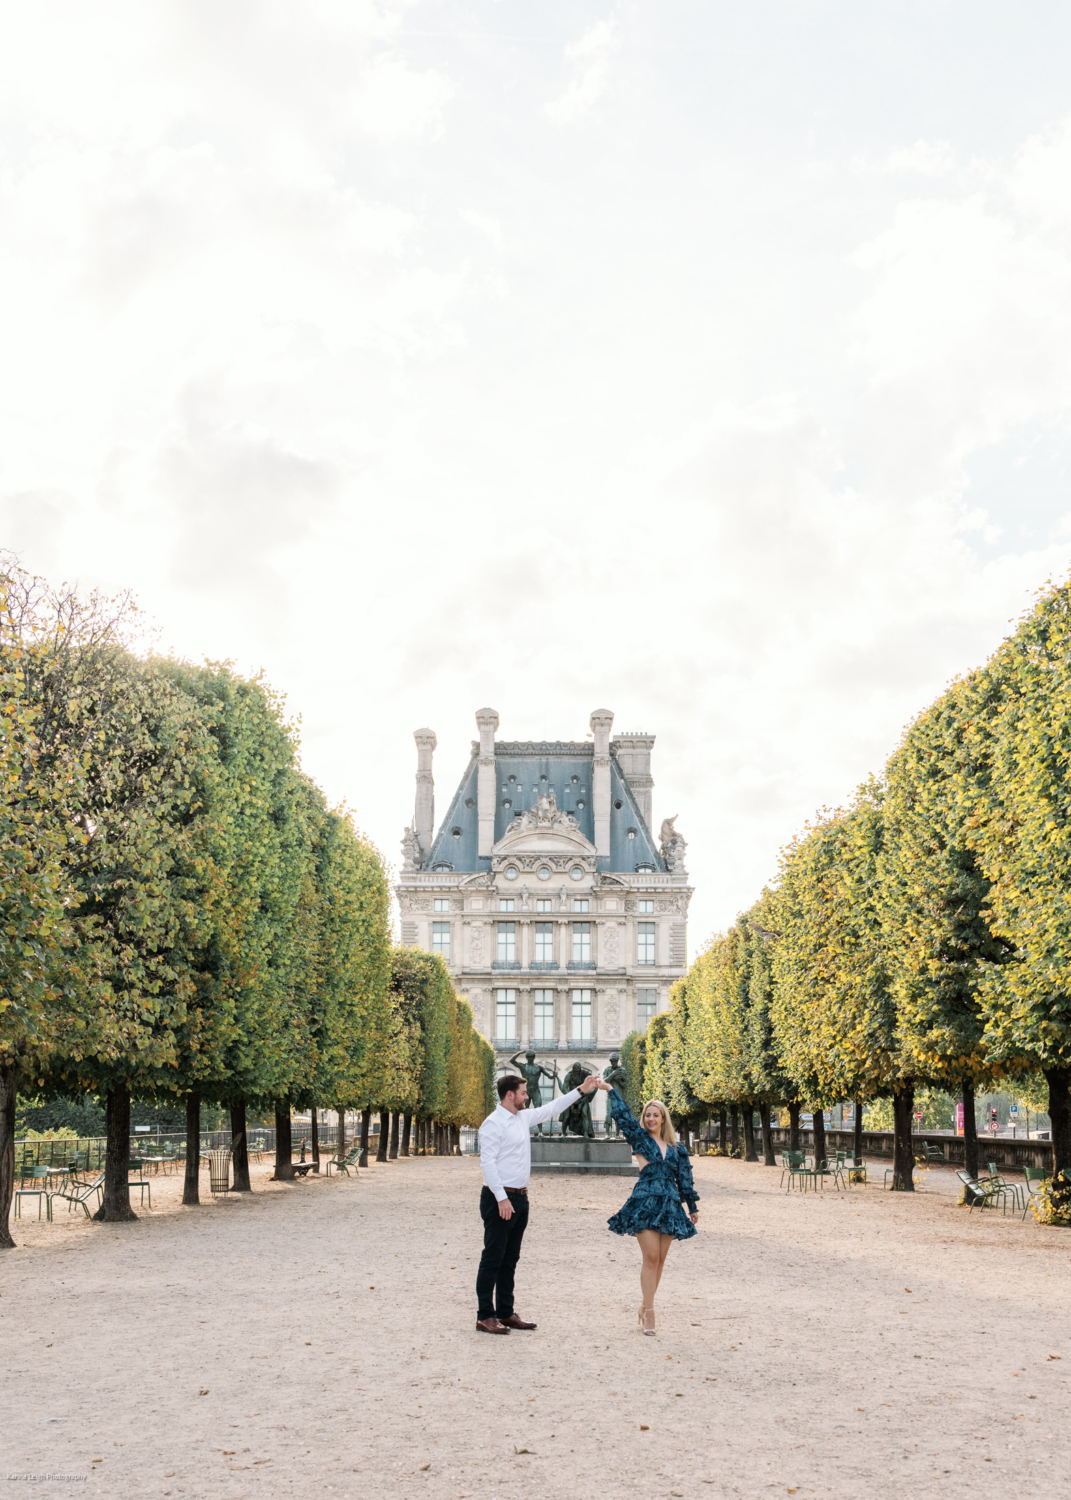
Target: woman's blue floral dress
(661,1186)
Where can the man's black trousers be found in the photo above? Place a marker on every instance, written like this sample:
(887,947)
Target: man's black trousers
(501,1252)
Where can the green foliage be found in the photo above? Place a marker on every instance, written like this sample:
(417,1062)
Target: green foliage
(633,1059)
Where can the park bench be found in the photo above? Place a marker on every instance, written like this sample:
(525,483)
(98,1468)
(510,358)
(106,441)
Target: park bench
(303,1168)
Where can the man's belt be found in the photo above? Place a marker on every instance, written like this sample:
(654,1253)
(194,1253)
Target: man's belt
(524,1191)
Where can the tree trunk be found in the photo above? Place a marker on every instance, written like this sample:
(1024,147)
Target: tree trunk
(239,1149)
(734,1130)
(903,1146)
(723,1131)
(857,1141)
(819,1128)
(748,1113)
(315,1127)
(340,1153)
(284,1144)
(794,1126)
(970,1130)
(115,1209)
(366,1121)
(191,1185)
(1059,1081)
(768,1158)
(384,1135)
(395,1122)
(9,1083)
(407,1126)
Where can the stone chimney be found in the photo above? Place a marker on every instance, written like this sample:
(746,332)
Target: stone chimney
(424,817)
(601,721)
(486,782)
(634,757)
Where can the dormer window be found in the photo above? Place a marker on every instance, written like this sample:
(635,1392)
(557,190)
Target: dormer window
(455,833)
(506,802)
(618,805)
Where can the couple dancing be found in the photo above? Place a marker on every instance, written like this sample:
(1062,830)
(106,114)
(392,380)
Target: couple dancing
(653,1213)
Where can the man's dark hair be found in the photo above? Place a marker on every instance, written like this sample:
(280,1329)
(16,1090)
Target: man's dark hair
(507,1084)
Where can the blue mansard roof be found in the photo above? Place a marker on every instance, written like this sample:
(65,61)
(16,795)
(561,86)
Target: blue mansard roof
(525,770)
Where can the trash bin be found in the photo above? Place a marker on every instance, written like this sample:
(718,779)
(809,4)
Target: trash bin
(219,1170)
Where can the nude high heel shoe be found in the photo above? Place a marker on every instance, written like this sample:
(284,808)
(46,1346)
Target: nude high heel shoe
(647,1319)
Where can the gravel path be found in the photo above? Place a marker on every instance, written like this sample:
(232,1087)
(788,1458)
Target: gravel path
(318,1340)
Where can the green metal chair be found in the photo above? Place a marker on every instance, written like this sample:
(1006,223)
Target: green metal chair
(799,1171)
(348,1161)
(1012,1189)
(38,1193)
(930,1155)
(84,1192)
(1036,1177)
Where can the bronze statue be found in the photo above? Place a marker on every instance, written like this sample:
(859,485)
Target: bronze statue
(532,1072)
(617,1078)
(576,1120)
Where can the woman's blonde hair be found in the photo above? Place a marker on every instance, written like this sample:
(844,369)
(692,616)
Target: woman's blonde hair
(668,1134)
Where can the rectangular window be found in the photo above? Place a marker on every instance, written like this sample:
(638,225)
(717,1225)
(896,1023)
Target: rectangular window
(505,903)
(507,942)
(505,1015)
(544,942)
(645,942)
(581,942)
(440,939)
(581,1005)
(544,904)
(646,906)
(580,903)
(442,903)
(543,1016)
(646,1007)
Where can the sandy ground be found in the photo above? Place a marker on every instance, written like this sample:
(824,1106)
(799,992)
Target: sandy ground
(318,1339)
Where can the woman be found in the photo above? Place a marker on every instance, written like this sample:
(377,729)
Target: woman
(653,1213)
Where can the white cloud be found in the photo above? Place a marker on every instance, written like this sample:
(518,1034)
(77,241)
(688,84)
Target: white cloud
(589,58)
(925,158)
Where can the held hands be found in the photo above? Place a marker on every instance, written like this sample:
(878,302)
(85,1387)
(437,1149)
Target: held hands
(593,1081)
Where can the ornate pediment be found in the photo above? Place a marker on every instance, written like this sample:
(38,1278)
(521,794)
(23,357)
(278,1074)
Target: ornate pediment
(544,829)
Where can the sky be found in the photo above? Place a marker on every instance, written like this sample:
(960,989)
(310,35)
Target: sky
(706,362)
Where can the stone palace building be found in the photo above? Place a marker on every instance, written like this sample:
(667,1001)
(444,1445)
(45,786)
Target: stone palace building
(562,920)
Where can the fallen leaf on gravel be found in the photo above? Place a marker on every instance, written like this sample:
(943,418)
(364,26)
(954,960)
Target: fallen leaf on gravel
(202,1393)
(1056,1356)
(522,1450)
(643,1428)
(424,1468)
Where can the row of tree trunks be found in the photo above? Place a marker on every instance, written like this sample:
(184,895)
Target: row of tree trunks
(314,1119)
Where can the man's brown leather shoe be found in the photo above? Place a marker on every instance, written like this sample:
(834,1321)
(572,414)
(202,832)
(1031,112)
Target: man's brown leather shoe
(514,1322)
(492,1325)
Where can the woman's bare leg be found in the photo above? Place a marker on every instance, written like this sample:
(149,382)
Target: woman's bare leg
(664,1242)
(651,1269)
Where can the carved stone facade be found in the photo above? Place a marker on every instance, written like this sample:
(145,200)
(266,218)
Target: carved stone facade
(561,917)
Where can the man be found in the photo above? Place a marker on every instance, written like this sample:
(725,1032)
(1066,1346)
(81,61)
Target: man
(506,1159)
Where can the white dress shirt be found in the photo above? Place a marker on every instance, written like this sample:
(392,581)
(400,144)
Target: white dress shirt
(506,1146)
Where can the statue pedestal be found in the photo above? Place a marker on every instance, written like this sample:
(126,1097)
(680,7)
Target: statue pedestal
(572,1155)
